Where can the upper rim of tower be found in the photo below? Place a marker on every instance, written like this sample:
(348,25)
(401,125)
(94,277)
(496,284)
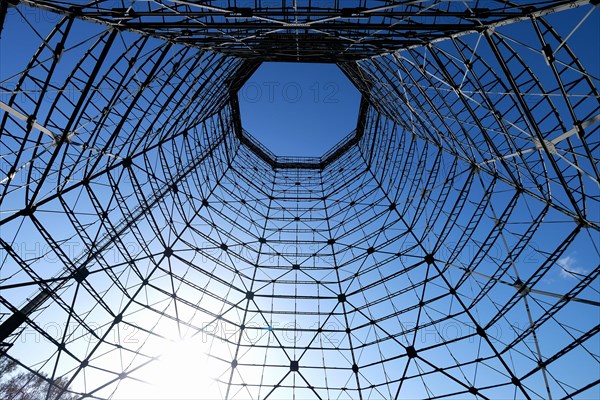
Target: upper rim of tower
(303,31)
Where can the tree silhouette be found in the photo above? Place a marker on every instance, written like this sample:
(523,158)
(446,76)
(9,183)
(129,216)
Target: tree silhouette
(26,385)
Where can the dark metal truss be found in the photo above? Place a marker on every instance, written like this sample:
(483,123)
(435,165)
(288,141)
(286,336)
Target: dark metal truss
(302,30)
(450,249)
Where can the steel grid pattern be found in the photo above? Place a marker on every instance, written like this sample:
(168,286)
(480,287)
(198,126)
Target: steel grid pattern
(435,257)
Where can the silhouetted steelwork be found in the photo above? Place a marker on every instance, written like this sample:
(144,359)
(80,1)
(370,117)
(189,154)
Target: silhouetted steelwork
(449,247)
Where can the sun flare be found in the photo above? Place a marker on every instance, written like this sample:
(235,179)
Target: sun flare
(185,370)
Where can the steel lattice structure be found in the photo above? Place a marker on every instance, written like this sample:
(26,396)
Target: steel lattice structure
(449,248)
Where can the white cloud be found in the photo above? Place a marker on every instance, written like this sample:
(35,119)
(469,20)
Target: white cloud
(568,267)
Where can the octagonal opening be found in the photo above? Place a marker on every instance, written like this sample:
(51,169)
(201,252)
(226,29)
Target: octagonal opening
(299,109)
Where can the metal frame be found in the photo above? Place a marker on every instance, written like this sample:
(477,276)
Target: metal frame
(447,248)
(303,31)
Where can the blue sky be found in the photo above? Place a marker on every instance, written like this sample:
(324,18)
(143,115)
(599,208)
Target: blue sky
(299,109)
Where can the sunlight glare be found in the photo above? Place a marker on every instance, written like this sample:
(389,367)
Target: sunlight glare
(185,371)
